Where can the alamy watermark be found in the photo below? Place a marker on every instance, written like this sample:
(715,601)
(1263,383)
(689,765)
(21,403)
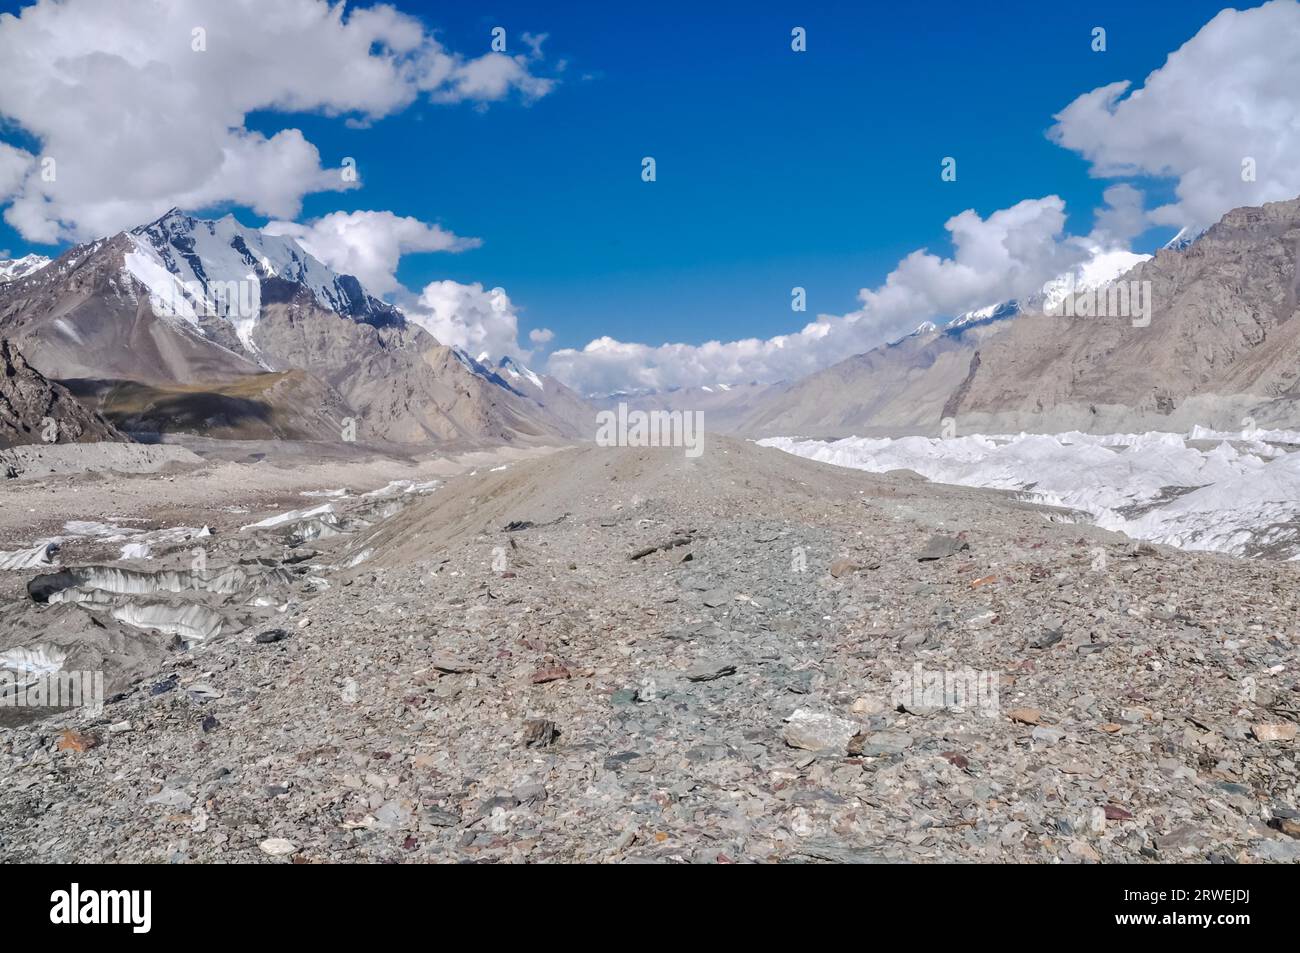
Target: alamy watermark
(240,298)
(1118,299)
(651,428)
(965,689)
(52,690)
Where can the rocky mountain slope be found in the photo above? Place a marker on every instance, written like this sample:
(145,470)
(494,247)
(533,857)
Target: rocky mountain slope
(35,409)
(219,328)
(1220,346)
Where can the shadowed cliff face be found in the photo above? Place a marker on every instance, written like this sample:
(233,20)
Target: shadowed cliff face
(34,409)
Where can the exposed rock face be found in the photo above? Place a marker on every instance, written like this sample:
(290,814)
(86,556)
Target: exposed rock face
(32,406)
(1221,345)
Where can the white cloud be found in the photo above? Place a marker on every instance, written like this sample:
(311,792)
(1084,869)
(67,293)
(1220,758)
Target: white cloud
(137,120)
(469,317)
(1010,254)
(1228,94)
(369,245)
(541,336)
(14,164)
(1122,219)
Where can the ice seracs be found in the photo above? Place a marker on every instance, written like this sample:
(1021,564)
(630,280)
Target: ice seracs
(1236,493)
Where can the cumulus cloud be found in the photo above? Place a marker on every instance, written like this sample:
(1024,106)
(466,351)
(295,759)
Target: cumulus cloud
(142,103)
(1227,95)
(369,245)
(470,317)
(1010,254)
(14,164)
(541,336)
(1122,219)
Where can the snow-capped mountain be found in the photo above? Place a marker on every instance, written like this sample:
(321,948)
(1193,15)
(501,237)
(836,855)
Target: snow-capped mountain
(1185,238)
(194,267)
(1098,271)
(518,373)
(12,269)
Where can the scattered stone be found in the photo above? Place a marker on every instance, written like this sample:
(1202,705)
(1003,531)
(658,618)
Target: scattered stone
(843,567)
(277,847)
(450,665)
(1025,716)
(709,671)
(942,546)
(1045,640)
(717,597)
(271,636)
(818,731)
(539,733)
(553,674)
(70,740)
(1275,731)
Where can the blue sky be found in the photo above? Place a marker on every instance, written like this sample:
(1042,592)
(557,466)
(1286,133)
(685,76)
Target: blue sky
(775,168)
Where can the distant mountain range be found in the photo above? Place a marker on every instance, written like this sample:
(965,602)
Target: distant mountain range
(187,324)
(1221,349)
(191,325)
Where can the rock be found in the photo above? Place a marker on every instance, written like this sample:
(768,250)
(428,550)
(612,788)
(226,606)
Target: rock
(1289,826)
(879,743)
(709,671)
(868,706)
(818,731)
(70,740)
(450,665)
(1183,836)
(171,797)
(1046,734)
(942,546)
(539,733)
(554,673)
(717,597)
(1278,849)
(1046,639)
(277,847)
(843,567)
(1025,716)
(1275,731)
(1084,851)
(271,636)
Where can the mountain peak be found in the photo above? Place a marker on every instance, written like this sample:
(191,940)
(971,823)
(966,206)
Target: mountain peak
(194,267)
(12,269)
